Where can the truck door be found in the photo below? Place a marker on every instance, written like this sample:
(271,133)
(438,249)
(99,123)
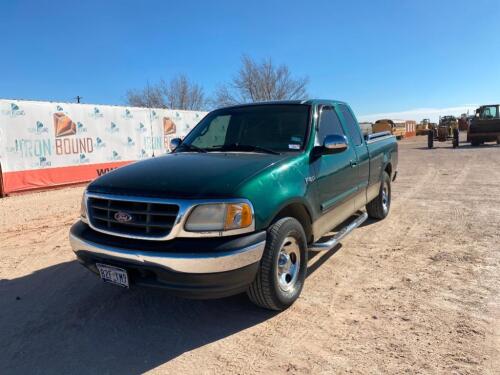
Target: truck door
(335,180)
(362,164)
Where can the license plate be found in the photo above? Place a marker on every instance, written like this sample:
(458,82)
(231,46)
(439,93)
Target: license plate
(113,275)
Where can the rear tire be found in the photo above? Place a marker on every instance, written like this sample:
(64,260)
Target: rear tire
(475,143)
(430,139)
(456,138)
(283,266)
(380,206)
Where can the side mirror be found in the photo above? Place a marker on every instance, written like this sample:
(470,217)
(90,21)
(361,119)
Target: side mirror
(174,143)
(335,143)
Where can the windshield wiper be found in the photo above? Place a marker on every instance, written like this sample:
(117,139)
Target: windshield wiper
(190,147)
(242,147)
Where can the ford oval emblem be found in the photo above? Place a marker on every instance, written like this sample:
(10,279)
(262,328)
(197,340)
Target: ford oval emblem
(123,217)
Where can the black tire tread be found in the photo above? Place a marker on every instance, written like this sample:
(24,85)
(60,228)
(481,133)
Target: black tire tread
(374,208)
(259,291)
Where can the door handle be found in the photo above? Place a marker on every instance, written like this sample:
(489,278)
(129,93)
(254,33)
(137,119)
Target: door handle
(353,163)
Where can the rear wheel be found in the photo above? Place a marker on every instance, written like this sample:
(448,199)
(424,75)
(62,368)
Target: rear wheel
(283,266)
(430,139)
(475,143)
(379,207)
(456,136)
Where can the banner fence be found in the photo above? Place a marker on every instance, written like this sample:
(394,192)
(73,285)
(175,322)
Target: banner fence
(44,144)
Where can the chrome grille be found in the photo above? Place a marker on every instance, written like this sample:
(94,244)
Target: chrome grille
(146,219)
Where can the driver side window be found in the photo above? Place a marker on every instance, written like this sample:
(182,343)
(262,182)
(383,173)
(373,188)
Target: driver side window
(329,124)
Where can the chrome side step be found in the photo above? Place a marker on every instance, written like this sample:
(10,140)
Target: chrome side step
(322,246)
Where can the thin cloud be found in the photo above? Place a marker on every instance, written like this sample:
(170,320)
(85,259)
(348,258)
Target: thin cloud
(421,113)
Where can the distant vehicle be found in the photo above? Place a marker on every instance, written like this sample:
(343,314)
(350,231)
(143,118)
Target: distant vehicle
(446,129)
(463,122)
(485,126)
(425,126)
(396,127)
(366,127)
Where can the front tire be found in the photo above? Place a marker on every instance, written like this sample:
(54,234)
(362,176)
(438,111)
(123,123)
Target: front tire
(380,206)
(283,266)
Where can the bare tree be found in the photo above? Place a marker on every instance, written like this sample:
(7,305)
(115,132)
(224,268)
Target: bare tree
(263,81)
(178,93)
(149,96)
(181,93)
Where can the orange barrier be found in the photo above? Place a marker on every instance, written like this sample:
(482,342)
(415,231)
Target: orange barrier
(52,177)
(411,128)
(2,191)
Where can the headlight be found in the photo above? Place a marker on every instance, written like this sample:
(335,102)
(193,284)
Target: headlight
(219,217)
(83,209)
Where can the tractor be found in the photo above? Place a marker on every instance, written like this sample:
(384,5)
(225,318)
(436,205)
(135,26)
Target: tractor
(447,129)
(424,127)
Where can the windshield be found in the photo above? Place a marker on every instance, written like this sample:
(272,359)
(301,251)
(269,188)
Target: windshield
(489,112)
(257,128)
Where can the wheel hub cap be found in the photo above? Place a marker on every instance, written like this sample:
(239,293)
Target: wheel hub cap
(385,197)
(288,264)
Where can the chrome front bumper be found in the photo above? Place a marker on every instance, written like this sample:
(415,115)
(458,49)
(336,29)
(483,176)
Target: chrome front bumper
(203,262)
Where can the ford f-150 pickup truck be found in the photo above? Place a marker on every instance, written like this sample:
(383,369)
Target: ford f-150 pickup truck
(239,203)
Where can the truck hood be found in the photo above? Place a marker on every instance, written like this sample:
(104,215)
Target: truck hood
(185,175)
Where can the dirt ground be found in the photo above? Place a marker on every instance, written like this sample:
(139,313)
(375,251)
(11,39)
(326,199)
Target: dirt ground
(415,293)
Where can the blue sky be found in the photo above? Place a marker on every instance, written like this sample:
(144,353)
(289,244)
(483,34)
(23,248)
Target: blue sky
(380,56)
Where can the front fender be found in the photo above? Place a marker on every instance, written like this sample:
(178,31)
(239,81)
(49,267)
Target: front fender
(275,188)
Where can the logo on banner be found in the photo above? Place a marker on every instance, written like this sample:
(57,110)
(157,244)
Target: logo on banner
(82,159)
(112,128)
(14,111)
(39,128)
(141,128)
(59,108)
(153,115)
(42,162)
(114,156)
(99,143)
(142,154)
(63,125)
(130,142)
(153,143)
(169,129)
(127,114)
(96,113)
(29,148)
(65,128)
(80,128)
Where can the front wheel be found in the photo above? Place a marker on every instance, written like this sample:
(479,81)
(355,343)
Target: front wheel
(379,207)
(283,266)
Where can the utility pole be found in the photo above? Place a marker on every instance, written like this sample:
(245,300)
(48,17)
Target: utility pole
(78,98)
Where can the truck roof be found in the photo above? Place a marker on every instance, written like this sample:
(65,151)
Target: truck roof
(274,102)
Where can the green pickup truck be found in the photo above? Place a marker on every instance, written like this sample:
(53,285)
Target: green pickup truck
(239,203)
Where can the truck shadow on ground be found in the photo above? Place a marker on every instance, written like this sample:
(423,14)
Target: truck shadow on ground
(62,319)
